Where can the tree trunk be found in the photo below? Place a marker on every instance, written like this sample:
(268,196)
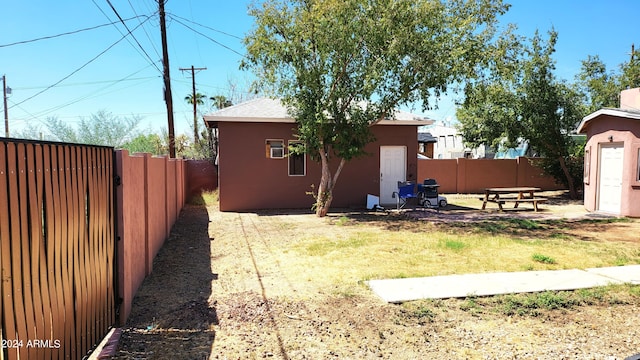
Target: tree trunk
(325,188)
(573,194)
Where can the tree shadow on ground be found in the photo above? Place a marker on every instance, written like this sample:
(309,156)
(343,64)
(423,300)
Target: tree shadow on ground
(171,317)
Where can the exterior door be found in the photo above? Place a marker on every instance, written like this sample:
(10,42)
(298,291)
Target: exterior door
(393,168)
(610,178)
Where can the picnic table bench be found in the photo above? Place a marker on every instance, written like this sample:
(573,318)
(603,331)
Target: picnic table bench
(514,195)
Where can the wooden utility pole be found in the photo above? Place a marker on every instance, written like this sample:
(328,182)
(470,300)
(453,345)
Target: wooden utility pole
(168,99)
(194,99)
(6,114)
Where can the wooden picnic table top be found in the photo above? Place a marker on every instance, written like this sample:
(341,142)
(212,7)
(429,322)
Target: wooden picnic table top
(502,190)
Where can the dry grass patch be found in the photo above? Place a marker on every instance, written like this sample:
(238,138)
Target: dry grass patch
(344,249)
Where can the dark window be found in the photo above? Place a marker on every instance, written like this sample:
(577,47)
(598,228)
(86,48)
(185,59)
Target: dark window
(297,160)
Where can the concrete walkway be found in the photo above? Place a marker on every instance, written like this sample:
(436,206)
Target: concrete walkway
(459,286)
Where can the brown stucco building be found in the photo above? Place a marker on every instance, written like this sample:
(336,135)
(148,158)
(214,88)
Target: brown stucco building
(612,157)
(255,170)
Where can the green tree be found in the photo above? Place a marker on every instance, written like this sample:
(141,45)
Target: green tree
(326,58)
(630,71)
(521,100)
(31,130)
(150,143)
(602,86)
(101,128)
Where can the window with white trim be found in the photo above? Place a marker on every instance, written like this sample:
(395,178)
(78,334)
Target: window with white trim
(274,149)
(297,159)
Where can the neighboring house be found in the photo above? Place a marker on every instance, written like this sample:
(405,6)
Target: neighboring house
(426,142)
(256,171)
(612,157)
(450,145)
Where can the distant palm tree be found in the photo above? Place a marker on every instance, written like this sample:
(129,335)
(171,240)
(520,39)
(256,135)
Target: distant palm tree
(199,100)
(220,101)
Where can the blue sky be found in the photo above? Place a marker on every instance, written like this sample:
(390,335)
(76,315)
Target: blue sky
(125,81)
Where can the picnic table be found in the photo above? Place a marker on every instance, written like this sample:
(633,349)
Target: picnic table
(515,195)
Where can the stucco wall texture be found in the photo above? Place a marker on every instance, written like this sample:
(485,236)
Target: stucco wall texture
(248,179)
(608,129)
(150,197)
(471,176)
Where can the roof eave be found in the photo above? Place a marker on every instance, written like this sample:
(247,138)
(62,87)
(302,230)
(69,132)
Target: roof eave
(607,111)
(421,122)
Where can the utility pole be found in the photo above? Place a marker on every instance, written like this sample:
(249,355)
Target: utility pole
(6,114)
(168,99)
(194,100)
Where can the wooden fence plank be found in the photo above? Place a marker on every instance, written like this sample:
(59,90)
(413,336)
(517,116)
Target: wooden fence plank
(66,254)
(7,324)
(45,281)
(94,233)
(27,280)
(33,238)
(93,214)
(84,280)
(53,279)
(16,254)
(59,219)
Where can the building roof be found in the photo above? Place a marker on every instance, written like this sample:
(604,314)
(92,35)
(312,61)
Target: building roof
(426,137)
(623,113)
(272,110)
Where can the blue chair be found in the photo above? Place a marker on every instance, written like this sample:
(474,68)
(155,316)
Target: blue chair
(406,191)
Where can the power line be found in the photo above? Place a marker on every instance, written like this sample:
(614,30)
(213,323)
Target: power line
(67,33)
(145,31)
(78,69)
(89,82)
(133,36)
(94,94)
(117,28)
(205,26)
(203,35)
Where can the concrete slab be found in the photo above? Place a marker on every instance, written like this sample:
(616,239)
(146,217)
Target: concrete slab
(456,286)
(627,274)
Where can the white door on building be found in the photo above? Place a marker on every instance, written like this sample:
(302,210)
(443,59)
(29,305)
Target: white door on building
(393,168)
(610,178)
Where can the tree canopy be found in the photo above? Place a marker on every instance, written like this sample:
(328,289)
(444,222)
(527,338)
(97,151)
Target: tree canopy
(101,128)
(602,86)
(342,65)
(522,100)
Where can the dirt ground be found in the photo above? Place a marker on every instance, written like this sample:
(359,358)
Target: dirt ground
(218,291)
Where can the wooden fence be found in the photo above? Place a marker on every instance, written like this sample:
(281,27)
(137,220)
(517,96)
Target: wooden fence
(57,249)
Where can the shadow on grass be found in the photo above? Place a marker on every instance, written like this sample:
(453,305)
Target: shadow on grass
(461,219)
(171,317)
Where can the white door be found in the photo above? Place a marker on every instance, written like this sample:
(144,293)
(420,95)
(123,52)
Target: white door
(610,178)
(393,168)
